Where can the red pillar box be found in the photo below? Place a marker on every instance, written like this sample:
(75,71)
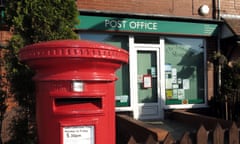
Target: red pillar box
(74,90)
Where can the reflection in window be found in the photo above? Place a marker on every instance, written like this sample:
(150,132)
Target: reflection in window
(122,88)
(120,41)
(184,71)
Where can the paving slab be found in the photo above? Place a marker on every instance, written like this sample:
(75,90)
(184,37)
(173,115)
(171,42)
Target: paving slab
(175,128)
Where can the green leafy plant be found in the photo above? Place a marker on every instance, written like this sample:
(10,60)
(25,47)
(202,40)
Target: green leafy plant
(33,21)
(42,20)
(2,95)
(226,103)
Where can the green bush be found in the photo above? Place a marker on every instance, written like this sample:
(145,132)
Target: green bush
(33,21)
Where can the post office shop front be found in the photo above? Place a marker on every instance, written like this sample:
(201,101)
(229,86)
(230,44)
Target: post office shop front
(167,60)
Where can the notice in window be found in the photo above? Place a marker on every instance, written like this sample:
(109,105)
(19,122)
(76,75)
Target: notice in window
(147,81)
(181,94)
(78,134)
(174,75)
(186,84)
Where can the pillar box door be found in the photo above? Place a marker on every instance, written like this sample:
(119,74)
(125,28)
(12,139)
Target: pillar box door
(74,90)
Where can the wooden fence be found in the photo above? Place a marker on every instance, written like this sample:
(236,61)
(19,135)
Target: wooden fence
(131,131)
(135,132)
(203,136)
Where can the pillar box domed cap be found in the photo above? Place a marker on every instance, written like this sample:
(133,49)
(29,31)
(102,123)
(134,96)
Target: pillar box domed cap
(80,59)
(73,48)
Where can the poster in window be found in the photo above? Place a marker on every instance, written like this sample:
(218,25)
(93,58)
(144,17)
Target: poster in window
(175,94)
(174,75)
(147,81)
(181,94)
(169,93)
(186,84)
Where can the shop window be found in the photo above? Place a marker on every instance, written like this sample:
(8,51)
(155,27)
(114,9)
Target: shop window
(184,71)
(122,85)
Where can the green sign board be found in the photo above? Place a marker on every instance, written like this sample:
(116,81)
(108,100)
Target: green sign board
(104,23)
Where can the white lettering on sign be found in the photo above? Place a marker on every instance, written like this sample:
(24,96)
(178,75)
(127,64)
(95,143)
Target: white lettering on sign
(115,23)
(139,25)
(143,25)
(78,134)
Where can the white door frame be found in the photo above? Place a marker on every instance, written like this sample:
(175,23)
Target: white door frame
(133,48)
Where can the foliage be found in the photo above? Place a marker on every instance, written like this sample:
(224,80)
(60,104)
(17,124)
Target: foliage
(42,20)
(2,96)
(33,21)
(230,89)
(226,104)
(231,77)
(22,88)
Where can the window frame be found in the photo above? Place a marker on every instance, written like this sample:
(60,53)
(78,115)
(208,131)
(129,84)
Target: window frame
(180,106)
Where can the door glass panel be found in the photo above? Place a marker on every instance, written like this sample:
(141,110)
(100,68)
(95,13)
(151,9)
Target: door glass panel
(147,76)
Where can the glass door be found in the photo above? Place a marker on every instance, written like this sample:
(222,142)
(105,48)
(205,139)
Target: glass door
(148,90)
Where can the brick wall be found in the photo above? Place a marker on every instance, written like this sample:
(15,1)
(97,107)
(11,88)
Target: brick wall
(5,36)
(186,8)
(230,6)
(182,8)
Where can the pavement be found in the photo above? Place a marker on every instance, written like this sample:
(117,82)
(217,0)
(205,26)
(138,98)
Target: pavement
(175,128)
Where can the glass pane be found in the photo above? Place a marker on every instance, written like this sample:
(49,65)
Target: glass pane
(184,71)
(147,67)
(122,87)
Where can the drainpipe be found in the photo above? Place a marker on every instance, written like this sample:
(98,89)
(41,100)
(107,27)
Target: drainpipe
(218,17)
(219,9)
(219,45)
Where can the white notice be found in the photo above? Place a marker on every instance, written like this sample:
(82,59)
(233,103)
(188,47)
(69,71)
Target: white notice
(174,75)
(147,81)
(186,84)
(77,86)
(78,135)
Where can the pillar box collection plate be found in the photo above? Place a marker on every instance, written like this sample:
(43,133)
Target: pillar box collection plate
(74,90)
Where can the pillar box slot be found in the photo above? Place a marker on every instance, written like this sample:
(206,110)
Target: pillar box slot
(83,103)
